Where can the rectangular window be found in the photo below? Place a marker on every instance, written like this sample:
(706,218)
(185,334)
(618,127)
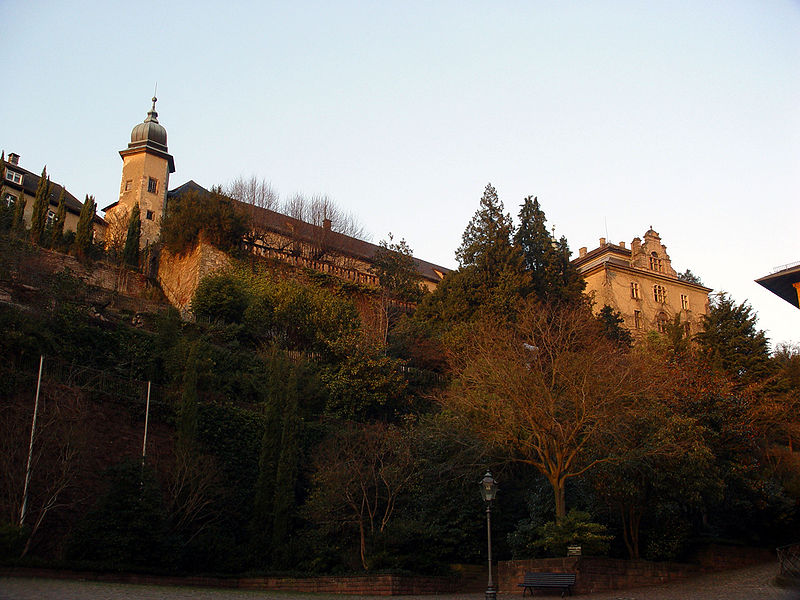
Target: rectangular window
(634,290)
(148,215)
(13,176)
(152,185)
(51,218)
(128,184)
(660,294)
(10,200)
(637,319)
(684,302)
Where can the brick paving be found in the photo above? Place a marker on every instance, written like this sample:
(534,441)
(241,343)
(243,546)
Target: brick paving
(753,583)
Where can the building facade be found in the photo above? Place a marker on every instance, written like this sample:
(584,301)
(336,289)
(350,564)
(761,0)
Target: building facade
(19,183)
(640,283)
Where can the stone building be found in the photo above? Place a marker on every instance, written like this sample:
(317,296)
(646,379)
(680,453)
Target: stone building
(642,285)
(146,167)
(20,183)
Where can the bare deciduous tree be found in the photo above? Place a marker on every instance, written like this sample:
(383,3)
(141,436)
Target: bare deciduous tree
(360,472)
(548,390)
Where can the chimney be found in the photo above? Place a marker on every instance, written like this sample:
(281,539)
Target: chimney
(622,244)
(13,158)
(602,241)
(582,252)
(326,224)
(636,245)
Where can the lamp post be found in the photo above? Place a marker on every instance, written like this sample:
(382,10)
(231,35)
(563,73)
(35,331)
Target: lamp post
(489,493)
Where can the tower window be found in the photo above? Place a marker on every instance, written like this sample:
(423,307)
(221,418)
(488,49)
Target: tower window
(660,294)
(152,185)
(128,184)
(149,215)
(655,262)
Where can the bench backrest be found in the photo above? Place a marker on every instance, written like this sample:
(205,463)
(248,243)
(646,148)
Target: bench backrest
(550,578)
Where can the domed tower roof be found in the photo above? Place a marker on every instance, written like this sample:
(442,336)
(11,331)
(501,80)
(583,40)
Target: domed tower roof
(151,132)
(151,137)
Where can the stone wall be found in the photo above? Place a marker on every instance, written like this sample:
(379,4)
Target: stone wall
(599,574)
(370,585)
(179,275)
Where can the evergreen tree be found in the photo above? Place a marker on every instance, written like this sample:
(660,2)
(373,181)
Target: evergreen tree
(491,278)
(6,211)
(130,254)
(41,204)
(57,233)
(612,324)
(486,242)
(554,278)
(18,221)
(731,341)
(83,234)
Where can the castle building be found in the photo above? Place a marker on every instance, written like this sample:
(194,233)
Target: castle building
(146,166)
(640,283)
(18,183)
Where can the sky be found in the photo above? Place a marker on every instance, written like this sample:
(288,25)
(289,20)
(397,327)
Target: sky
(618,116)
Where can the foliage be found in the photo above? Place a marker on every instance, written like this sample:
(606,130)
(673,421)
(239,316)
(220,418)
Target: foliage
(57,233)
(41,203)
(553,277)
(130,254)
(360,471)
(128,525)
(612,324)
(394,265)
(212,216)
(574,529)
(85,228)
(689,277)
(548,390)
(18,220)
(731,341)
(220,297)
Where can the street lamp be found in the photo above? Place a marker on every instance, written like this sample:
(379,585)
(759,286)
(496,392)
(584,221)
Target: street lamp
(489,493)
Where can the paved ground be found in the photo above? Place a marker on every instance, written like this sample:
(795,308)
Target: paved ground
(754,583)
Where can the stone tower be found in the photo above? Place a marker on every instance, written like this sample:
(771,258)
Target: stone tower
(146,165)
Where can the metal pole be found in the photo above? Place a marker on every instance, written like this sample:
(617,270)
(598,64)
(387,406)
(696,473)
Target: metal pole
(491,592)
(24,508)
(146,416)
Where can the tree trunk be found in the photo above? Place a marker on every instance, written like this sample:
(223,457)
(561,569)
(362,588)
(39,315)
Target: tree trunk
(363,544)
(560,497)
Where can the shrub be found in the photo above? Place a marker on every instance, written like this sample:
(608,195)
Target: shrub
(552,539)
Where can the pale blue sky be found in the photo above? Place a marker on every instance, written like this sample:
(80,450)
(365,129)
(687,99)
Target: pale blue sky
(617,115)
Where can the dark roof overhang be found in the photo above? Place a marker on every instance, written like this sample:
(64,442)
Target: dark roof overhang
(782,283)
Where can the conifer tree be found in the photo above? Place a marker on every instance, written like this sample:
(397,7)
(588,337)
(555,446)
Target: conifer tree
(130,254)
(83,233)
(57,233)
(6,212)
(41,204)
(486,242)
(554,279)
(18,221)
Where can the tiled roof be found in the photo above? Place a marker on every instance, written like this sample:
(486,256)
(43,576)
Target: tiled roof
(30,183)
(291,227)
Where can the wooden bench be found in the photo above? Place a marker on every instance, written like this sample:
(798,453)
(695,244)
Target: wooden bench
(532,581)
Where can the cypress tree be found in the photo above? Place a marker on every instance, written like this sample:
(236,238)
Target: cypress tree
(6,212)
(41,204)
(83,233)
(554,278)
(18,221)
(57,233)
(130,254)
